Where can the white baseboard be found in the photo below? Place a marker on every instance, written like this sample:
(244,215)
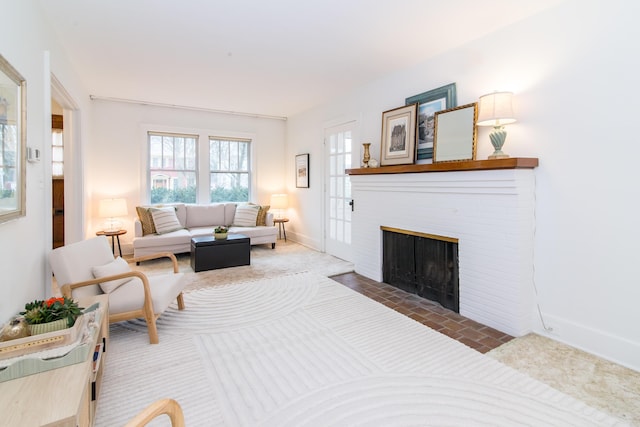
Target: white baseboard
(600,343)
(304,241)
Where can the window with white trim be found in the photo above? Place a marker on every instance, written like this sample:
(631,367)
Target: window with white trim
(172,167)
(229,169)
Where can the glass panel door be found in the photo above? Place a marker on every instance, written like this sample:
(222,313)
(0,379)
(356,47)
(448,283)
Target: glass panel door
(338,146)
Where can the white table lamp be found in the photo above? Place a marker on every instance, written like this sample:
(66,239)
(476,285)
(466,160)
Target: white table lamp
(496,109)
(279,202)
(112,209)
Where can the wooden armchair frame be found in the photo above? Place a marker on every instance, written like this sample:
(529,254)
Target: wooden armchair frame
(160,407)
(146,310)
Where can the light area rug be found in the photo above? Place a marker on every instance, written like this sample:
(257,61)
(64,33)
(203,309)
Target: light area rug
(286,258)
(605,385)
(303,350)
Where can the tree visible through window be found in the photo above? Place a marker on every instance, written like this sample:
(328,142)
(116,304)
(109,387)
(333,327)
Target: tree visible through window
(172,168)
(229,170)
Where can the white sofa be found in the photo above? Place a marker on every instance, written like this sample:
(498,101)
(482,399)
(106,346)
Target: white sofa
(200,220)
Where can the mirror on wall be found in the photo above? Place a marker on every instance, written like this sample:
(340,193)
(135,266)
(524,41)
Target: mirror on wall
(12,142)
(455,134)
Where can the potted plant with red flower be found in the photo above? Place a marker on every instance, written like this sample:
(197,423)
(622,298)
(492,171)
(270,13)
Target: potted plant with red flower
(51,315)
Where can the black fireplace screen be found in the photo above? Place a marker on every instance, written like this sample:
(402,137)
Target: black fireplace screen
(424,266)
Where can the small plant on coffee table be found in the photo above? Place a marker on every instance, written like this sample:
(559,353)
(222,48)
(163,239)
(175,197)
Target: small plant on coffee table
(220,232)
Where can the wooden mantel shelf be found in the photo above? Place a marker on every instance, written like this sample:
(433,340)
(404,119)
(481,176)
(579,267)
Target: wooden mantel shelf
(471,165)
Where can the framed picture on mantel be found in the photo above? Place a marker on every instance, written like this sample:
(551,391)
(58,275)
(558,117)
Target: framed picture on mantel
(430,103)
(398,136)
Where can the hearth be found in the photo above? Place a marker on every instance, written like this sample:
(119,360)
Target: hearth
(422,264)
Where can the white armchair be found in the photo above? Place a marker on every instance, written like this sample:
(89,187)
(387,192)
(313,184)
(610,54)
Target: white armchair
(89,268)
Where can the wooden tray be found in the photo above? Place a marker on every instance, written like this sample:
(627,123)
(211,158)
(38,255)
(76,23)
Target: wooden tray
(26,345)
(34,365)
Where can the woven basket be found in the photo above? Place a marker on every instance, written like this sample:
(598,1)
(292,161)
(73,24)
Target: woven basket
(43,328)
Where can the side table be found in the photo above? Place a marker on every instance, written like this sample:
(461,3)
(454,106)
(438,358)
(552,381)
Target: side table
(280,222)
(114,234)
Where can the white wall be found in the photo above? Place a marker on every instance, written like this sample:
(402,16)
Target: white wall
(116,159)
(572,71)
(29,45)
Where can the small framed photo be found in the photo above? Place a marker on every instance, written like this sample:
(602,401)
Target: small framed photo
(429,103)
(302,171)
(398,136)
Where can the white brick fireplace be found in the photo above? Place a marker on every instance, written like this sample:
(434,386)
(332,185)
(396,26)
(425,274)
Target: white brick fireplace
(490,212)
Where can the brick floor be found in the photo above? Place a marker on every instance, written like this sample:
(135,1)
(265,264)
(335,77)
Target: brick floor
(476,335)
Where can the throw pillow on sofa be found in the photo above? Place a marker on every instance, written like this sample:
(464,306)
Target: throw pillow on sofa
(165,220)
(246,215)
(144,214)
(262,214)
(117,266)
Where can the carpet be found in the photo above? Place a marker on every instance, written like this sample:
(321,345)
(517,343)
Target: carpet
(286,258)
(301,349)
(605,385)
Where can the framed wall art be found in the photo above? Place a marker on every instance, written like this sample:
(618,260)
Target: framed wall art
(455,134)
(398,135)
(13,142)
(429,103)
(302,171)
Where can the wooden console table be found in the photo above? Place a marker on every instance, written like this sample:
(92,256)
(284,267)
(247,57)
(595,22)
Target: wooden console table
(60,397)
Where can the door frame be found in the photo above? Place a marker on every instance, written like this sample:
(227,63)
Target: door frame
(74,223)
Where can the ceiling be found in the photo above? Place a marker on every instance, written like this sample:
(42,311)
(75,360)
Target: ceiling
(275,57)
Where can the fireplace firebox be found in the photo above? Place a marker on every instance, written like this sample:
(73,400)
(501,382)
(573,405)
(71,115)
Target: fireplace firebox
(422,264)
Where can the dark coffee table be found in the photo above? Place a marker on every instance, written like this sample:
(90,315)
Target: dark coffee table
(207,253)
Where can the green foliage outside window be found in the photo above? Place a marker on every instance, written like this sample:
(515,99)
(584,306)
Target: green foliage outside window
(178,195)
(235,194)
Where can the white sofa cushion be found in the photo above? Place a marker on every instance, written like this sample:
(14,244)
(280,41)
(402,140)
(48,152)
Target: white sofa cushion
(229,213)
(245,216)
(165,220)
(177,237)
(117,266)
(201,231)
(128,297)
(205,215)
(252,231)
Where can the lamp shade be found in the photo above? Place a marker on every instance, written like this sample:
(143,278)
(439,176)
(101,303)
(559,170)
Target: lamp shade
(495,109)
(111,208)
(279,201)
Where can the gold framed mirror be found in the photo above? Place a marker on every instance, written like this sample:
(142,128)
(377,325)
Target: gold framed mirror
(455,134)
(13,142)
